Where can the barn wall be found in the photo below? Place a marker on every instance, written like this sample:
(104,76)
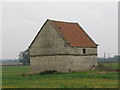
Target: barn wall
(62,63)
(78,50)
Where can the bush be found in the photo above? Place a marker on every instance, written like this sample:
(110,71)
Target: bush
(48,72)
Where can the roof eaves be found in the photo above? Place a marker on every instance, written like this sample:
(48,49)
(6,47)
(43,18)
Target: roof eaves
(87,34)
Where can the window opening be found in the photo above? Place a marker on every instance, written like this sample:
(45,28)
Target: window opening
(84,51)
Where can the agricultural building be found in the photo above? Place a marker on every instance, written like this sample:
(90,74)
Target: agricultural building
(62,46)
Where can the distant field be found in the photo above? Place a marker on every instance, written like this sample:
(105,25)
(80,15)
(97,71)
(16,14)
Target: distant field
(112,65)
(12,78)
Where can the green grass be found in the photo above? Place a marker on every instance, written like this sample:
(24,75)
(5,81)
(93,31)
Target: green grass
(111,65)
(12,78)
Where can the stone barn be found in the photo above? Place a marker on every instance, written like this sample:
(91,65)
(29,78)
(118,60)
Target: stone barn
(62,46)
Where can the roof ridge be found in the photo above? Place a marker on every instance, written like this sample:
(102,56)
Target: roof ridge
(62,21)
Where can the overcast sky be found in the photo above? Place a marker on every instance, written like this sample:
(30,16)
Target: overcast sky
(22,21)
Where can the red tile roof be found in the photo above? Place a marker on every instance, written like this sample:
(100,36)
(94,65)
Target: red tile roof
(73,34)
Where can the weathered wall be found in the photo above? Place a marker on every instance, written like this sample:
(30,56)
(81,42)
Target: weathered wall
(62,63)
(48,42)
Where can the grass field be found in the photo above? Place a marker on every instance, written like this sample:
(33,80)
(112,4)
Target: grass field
(111,65)
(12,78)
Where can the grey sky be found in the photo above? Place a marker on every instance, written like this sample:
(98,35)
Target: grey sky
(22,21)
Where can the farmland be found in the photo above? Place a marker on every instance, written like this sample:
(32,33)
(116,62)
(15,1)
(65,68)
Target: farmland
(14,77)
(111,65)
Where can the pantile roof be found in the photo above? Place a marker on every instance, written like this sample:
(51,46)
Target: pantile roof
(73,34)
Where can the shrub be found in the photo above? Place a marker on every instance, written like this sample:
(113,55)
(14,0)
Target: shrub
(48,72)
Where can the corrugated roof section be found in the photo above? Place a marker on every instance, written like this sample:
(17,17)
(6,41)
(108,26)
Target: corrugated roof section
(74,34)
